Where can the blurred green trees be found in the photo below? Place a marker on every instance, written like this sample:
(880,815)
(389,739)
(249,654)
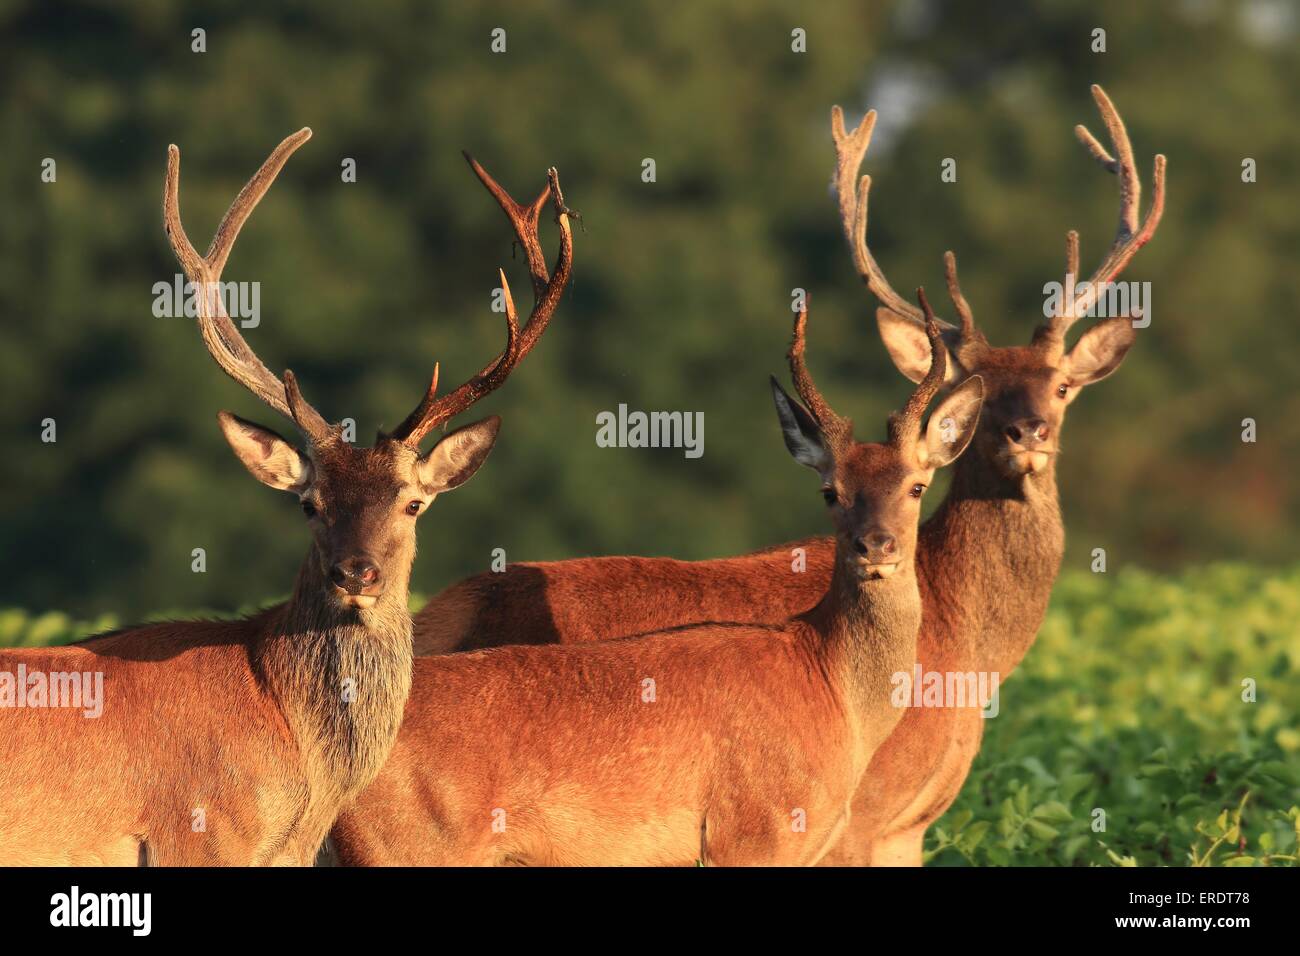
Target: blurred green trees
(682,286)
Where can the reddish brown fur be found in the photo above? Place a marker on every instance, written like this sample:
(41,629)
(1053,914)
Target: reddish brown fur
(554,602)
(986,560)
(986,563)
(756,737)
(988,540)
(238,742)
(241,720)
(752,729)
(750,726)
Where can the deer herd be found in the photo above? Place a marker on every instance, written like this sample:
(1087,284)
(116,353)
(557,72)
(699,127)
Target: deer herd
(600,711)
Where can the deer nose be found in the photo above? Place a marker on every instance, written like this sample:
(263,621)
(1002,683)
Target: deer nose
(355,574)
(877,545)
(1028,432)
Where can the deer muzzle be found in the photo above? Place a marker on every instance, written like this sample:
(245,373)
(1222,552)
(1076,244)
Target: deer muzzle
(357,581)
(877,554)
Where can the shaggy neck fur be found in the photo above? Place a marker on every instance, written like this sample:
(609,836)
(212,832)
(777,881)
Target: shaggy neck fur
(341,677)
(987,560)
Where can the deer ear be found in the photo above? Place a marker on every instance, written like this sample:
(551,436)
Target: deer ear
(453,461)
(268,457)
(909,347)
(803,438)
(1099,351)
(952,425)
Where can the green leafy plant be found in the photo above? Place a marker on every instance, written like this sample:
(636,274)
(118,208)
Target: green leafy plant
(1153,724)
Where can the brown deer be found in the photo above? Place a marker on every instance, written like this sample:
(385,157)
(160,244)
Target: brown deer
(754,737)
(986,561)
(237,742)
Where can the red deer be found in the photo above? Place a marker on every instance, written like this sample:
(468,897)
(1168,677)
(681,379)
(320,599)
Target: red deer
(750,744)
(237,742)
(987,558)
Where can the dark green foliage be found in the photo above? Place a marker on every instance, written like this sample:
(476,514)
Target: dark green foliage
(681,292)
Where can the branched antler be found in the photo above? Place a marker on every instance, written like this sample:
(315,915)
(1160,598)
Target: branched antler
(850,151)
(1129,238)
(547,290)
(222,338)
(237,359)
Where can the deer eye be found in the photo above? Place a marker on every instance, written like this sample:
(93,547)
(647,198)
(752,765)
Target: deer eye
(829,495)
(309,509)
(917,490)
(1062,390)
(413,507)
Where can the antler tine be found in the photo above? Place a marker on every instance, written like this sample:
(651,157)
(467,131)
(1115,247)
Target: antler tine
(970,343)
(307,419)
(969,332)
(1072,253)
(850,150)
(1121,253)
(220,335)
(419,413)
(837,429)
(524,219)
(1129,238)
(228,230)
(432,412)
(905,426)
(1130,187)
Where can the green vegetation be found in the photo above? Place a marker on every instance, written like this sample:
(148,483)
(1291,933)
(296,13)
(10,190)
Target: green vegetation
(1130,701)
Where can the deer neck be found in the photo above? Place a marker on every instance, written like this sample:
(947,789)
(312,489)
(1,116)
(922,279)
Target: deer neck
(987,560)
(868,630)
(341,677)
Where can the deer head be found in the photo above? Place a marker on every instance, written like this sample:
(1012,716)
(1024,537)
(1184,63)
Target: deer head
(360,503)
(874,490)
(1027,388)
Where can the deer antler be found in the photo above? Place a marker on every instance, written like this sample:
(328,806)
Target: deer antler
(547,290)
(905,426)
(220,335)
(850,151)
(1128,237)
(524,220)
(835,428)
